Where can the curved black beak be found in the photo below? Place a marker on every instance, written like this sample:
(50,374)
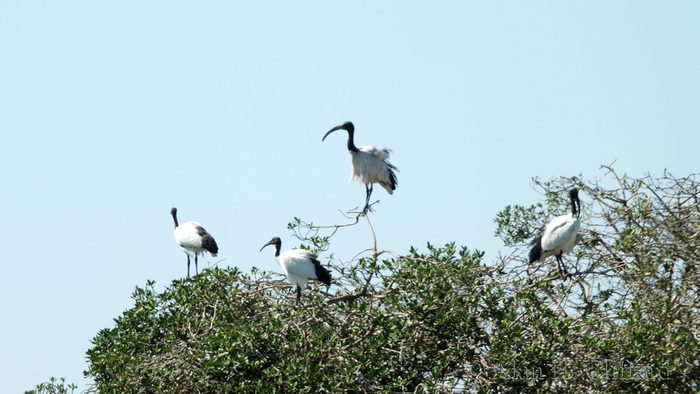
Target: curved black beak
(266,245)
(274,241)
(339,127)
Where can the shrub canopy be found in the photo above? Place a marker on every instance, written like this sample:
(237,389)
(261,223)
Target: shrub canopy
(442,320)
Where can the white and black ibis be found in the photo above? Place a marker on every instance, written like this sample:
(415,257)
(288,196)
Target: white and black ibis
(300,266)
(559,236)
(193,240)
(369,164)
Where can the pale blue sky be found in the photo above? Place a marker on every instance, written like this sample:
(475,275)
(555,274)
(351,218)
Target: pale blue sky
(114,112)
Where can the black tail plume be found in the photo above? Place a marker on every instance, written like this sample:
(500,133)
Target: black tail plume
(322,274)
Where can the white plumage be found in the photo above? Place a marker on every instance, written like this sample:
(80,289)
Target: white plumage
(299,266)
(193,240)
(559,236)
(369,164)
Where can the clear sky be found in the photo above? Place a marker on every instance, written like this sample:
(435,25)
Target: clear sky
(111,113)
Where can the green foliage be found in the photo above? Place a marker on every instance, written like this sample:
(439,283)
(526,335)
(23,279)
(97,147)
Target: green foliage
(53,386)
(441,320)
(224,332)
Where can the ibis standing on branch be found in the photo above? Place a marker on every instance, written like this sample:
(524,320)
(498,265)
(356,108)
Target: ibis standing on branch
(300,266)
(559,236)
(193,240)
(369,164)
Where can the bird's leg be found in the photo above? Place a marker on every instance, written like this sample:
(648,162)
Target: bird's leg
(188,266)
(298,295)
(369,194)
(562,269)
(196,269)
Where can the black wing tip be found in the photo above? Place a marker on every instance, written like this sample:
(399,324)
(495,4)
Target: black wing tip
(210,245)
(394,182)
(322,274)
(324,277)
(536,251)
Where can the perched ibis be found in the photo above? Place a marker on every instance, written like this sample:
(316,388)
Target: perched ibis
(369,164)
(193,240)
(559,236)
(300,266)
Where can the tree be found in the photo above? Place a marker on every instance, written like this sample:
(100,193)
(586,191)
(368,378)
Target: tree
(629,319)
(442,320)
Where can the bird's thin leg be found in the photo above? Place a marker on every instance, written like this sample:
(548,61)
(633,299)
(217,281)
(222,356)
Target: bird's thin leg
(196,269)
(369,194)
(562,268)
(298,295)
(188,266)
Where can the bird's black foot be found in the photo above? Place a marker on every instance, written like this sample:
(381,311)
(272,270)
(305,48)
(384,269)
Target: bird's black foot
(563,273)
(368,207)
